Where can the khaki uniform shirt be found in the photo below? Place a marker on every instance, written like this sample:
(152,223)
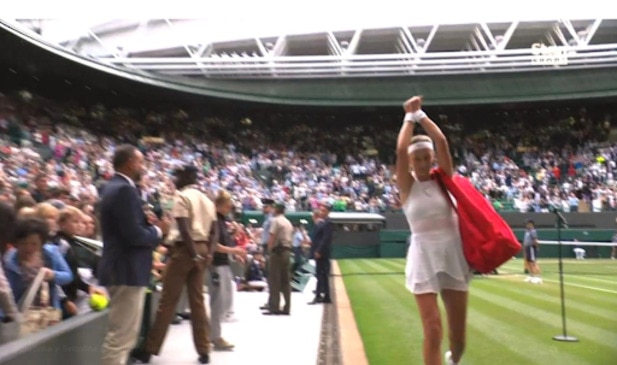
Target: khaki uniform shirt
(282,230)
(198,208)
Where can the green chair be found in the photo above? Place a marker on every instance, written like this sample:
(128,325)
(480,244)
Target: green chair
(299,282)
(308,268)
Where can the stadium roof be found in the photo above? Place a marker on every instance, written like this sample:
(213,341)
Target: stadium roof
(140,34)
(229,20)
(194,45)
(220,48)
(589,75)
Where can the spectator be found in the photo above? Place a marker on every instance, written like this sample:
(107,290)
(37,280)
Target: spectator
(31,255)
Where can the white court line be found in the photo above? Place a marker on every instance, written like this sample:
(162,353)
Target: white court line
(566,283)
(581,277)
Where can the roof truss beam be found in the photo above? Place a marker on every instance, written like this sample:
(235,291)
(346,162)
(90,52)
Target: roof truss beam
(184,45)
(477,34)
(507,36)
(591,32)
(411,39)
(355,42)
(262,48)
(429,39)
(489,35)
(556,31)
(280,47)
(205,50)
(112,50)
(570,28)
(333,45)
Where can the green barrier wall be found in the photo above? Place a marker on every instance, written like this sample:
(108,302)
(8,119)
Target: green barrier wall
(393,243)
(349,250)
(294,217)
(392,249)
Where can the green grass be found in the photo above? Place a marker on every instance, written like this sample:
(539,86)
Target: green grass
(510,322)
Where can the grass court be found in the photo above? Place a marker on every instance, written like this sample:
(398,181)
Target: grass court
(510,321)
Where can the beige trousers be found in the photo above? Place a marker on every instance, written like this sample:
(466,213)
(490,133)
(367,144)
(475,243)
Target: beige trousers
(126,309)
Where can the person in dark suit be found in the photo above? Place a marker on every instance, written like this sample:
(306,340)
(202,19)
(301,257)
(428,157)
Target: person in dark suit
(129,237)
(322,248)
(316,221)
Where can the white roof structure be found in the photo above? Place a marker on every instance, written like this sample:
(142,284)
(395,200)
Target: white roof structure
(356,217)
(271,39)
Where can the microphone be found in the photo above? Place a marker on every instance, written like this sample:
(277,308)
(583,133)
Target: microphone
(555,210)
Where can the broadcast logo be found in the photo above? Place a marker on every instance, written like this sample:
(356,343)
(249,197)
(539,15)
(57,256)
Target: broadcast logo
(548,55)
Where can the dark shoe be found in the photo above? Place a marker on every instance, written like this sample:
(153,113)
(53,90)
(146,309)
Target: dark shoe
(264,307)
(204,359)
(176,320)
(141,355)
(326,300)
(275,313)
(317,300)
(186,316)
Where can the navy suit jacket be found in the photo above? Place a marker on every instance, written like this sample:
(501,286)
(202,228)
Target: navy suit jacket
(128,239)
(322,238)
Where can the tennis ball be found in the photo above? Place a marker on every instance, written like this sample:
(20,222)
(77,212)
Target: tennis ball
(98,302)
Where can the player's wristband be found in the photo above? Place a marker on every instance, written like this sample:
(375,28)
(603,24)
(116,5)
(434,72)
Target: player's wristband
(418,115)
(408,118)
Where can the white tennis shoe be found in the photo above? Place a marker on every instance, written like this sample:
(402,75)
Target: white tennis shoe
(448,357)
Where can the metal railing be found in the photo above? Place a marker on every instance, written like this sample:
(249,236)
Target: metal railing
(402,64)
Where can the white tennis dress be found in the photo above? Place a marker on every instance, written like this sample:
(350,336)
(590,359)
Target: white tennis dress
(435,259)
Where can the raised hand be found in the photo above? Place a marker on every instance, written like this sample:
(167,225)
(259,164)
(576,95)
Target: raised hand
(49,274)
(413,104)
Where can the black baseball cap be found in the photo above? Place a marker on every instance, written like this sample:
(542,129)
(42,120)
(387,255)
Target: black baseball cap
(267,201)
(185,169)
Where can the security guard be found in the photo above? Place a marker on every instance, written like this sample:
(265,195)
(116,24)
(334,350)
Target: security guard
(267,211)
(279,248)
(195,217)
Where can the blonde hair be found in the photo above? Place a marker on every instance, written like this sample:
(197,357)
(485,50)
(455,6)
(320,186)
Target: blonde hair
(419,141)
(420,138)
(27,212)
(222,197)
(46,211)
(68,213)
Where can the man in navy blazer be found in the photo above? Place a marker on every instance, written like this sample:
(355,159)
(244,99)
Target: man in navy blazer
(129,237)
(321,246)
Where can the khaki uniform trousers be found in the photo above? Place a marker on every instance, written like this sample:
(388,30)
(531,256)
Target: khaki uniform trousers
(279,279)
(181,271)
(126,308)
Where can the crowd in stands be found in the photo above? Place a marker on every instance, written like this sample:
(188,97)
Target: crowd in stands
(55,156)
(522,160)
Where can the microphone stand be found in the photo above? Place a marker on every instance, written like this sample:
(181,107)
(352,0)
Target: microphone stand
(562,223)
